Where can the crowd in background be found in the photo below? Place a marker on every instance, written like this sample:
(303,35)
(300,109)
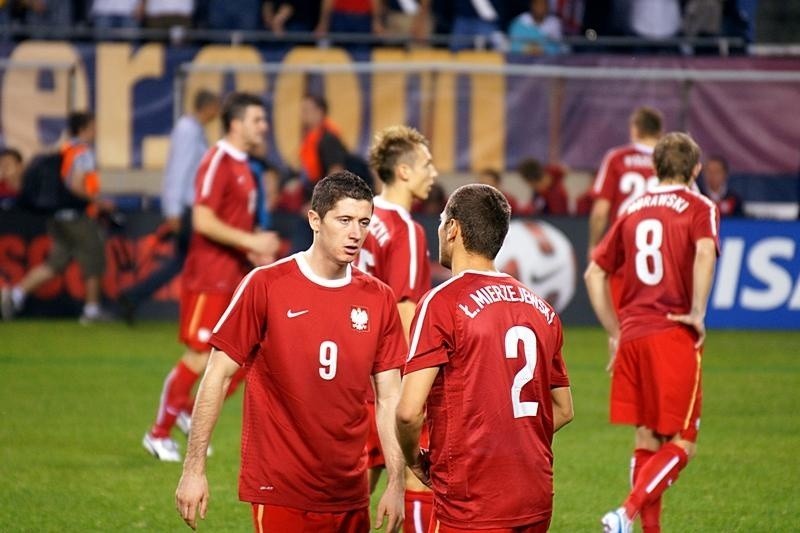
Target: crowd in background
(521,26)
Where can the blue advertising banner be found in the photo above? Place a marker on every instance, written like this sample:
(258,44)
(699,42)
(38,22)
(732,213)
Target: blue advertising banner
(757,283)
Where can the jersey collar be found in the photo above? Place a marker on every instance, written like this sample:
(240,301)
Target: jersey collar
(305,269)
(231,150)
(644,148)
(383,203)
(490,273)
(667,188)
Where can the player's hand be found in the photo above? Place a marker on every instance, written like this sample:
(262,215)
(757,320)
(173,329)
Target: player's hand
(422,467)
(694,320)
(613,344)
(264,243)
(191,496)
(391,508)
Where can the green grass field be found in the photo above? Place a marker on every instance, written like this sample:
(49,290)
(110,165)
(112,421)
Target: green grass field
(75,402)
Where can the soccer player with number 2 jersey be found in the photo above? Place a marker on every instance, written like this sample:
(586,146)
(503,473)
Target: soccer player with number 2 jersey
(315,335)
(485,361)
(664,244)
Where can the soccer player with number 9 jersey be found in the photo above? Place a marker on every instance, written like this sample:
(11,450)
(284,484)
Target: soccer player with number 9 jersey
(665,246)
(485,359)
(315,334)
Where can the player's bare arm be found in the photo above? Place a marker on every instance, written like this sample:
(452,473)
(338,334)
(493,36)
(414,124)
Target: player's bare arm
(705,259)
(411,415)
(600,297)
(208,224)
(387,394)
(406,309)
(563,412)
(192,494)
(598,221)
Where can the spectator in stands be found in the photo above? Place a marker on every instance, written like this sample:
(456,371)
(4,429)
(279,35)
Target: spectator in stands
(166,14)
(655,19)
(714,184)
(75,233)
(295,16)
(549,196)
(408,18)
(107,14)
(477,23)
(702,17)
(490,176)
(235,14)
(56,13)
(10,172)
(349,16)
(536,31)
(187,146)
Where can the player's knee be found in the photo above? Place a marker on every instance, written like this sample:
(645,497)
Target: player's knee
(689,447)
(647,439)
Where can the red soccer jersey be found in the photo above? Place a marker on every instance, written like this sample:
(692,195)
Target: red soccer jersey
(626,173)
(396,251)
(489,411)
(225,184)
(653,243)
(311,346)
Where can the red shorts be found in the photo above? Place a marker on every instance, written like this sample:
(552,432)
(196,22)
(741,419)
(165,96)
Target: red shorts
(419,509)
(199,313)
(374,453)
(274,518)
(538,527)
(657,383)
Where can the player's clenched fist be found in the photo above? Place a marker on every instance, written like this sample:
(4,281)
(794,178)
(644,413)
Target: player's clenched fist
(191,496)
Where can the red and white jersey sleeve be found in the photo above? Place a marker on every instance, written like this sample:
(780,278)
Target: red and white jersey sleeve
(653,245)
(225,185)
(311,346)
(396,251)
(625,174)
(490,411)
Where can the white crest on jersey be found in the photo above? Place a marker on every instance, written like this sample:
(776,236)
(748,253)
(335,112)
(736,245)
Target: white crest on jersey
(359,318)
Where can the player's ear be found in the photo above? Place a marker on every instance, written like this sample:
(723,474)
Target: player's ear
(453,229)
(314,220)
(696,171)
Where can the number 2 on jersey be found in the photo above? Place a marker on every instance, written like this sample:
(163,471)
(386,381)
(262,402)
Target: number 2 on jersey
(514,336)
(328,356)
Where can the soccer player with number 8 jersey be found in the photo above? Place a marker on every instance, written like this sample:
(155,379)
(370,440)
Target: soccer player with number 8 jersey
(485,359)
(315,334)
(664,245)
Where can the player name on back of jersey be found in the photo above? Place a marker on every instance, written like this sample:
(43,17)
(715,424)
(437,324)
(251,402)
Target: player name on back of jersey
(670,200)
(489,294)
(379,230)
(638,160)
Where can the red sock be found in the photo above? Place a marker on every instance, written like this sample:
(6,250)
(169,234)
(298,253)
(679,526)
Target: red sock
(236,380)
(650,515)
(419,508)
(655,477)
(174,396)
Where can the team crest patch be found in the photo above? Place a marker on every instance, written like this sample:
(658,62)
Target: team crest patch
(359,318)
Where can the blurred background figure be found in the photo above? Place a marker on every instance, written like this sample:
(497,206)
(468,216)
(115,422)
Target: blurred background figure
(548,196)
(295,16)
(107,14)
(714,184)
(187,145)
(536,31)
(410,19)
(10,173)
(75,232)
(493,177)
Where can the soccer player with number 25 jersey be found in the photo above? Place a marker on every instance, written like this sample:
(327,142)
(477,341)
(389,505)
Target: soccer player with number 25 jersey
(315,334)
(485,360)
(665,245)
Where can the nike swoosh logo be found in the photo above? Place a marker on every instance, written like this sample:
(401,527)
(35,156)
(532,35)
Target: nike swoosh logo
(292,314)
